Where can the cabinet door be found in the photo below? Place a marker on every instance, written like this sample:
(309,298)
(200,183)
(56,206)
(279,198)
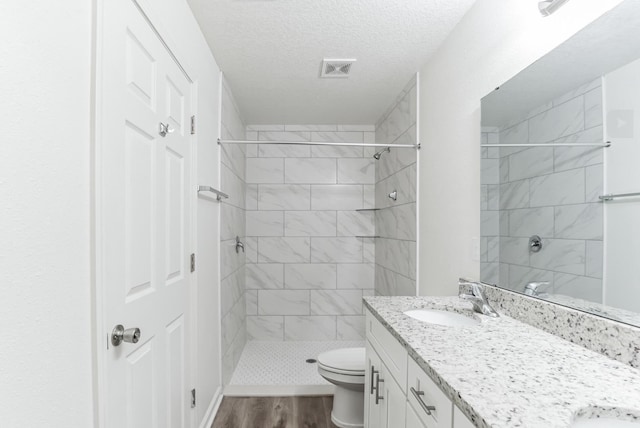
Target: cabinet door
(391,352)
(371,409)
(392,400)
(460,420)
(413,421)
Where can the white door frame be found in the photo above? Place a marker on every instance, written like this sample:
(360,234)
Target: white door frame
(100,329)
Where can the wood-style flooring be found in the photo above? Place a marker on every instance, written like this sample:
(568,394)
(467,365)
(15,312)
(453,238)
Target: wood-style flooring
(274,412)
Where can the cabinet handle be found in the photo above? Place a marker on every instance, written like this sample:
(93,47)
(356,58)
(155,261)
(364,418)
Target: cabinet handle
(373,373)
(418,394)
(378,397)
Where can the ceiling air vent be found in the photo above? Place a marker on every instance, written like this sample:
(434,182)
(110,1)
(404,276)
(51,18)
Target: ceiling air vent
(336,67)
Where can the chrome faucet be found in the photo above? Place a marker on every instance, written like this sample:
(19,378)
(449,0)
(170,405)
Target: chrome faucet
(477,298)
(536,288)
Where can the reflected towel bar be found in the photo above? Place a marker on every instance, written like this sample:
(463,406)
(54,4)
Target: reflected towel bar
(219,195)
(612,196)
(607,144)
(320,143)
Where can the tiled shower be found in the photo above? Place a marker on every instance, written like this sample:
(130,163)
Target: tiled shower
(396,220)
(232,224)
(309,263)
(319,230)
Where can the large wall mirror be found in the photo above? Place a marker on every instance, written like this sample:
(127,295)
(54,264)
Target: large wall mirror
(560,206)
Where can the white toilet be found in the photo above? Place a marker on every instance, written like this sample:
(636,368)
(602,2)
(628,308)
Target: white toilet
(345,369)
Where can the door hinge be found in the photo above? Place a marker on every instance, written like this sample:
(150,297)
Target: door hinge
(193,262)
(193,125)
(193,398)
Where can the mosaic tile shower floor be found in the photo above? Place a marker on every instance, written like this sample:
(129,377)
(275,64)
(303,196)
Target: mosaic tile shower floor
(283,363)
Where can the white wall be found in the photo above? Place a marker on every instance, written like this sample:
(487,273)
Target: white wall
(493,42)
(45,251)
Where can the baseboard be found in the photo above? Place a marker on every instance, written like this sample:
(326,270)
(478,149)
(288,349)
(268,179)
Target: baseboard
(277,390)
(210,415)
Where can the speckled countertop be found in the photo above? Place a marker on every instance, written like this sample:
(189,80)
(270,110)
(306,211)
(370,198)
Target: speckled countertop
(504,373)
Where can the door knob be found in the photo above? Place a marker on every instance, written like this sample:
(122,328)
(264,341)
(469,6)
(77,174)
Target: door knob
(119,335)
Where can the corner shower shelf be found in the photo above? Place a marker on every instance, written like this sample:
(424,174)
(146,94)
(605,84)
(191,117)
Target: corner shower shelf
(367,236)
(368,209)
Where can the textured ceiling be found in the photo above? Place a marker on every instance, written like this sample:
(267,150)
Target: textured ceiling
(271,53)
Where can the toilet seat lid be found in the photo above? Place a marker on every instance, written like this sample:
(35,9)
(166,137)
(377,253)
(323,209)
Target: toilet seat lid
(345,359)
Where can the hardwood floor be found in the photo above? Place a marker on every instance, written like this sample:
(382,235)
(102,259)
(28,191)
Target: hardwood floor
(274,412)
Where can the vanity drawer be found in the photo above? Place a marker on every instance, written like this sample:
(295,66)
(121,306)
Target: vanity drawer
(390,350)
(422,392)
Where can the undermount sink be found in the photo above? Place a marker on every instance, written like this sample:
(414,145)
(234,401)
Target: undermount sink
(434,316)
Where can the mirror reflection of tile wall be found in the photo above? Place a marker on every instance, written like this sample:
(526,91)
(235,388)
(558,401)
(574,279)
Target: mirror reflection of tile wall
(547,191)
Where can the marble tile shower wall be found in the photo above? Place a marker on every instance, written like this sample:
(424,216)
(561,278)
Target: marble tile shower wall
(233,223)
(547,191)
(307,269)
(396,220)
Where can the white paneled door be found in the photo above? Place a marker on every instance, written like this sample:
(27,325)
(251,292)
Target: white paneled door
(143,213)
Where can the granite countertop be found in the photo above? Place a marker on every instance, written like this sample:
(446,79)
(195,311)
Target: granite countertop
(504,373)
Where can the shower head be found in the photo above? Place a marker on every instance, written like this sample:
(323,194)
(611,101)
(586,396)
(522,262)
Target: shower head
(377,155)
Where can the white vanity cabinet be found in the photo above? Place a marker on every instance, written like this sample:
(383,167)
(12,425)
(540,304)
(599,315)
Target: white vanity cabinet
(386,378)
(398,393)
(385,404)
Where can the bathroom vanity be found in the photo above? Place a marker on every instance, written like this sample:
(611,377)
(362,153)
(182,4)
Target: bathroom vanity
(491,372)
(398,393)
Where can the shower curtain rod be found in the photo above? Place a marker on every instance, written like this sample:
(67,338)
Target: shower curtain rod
(607,144)
(317,143)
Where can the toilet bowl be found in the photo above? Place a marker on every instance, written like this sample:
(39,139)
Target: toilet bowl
(345,369)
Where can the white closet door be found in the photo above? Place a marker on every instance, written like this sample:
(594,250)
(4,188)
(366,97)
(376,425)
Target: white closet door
(143,219)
